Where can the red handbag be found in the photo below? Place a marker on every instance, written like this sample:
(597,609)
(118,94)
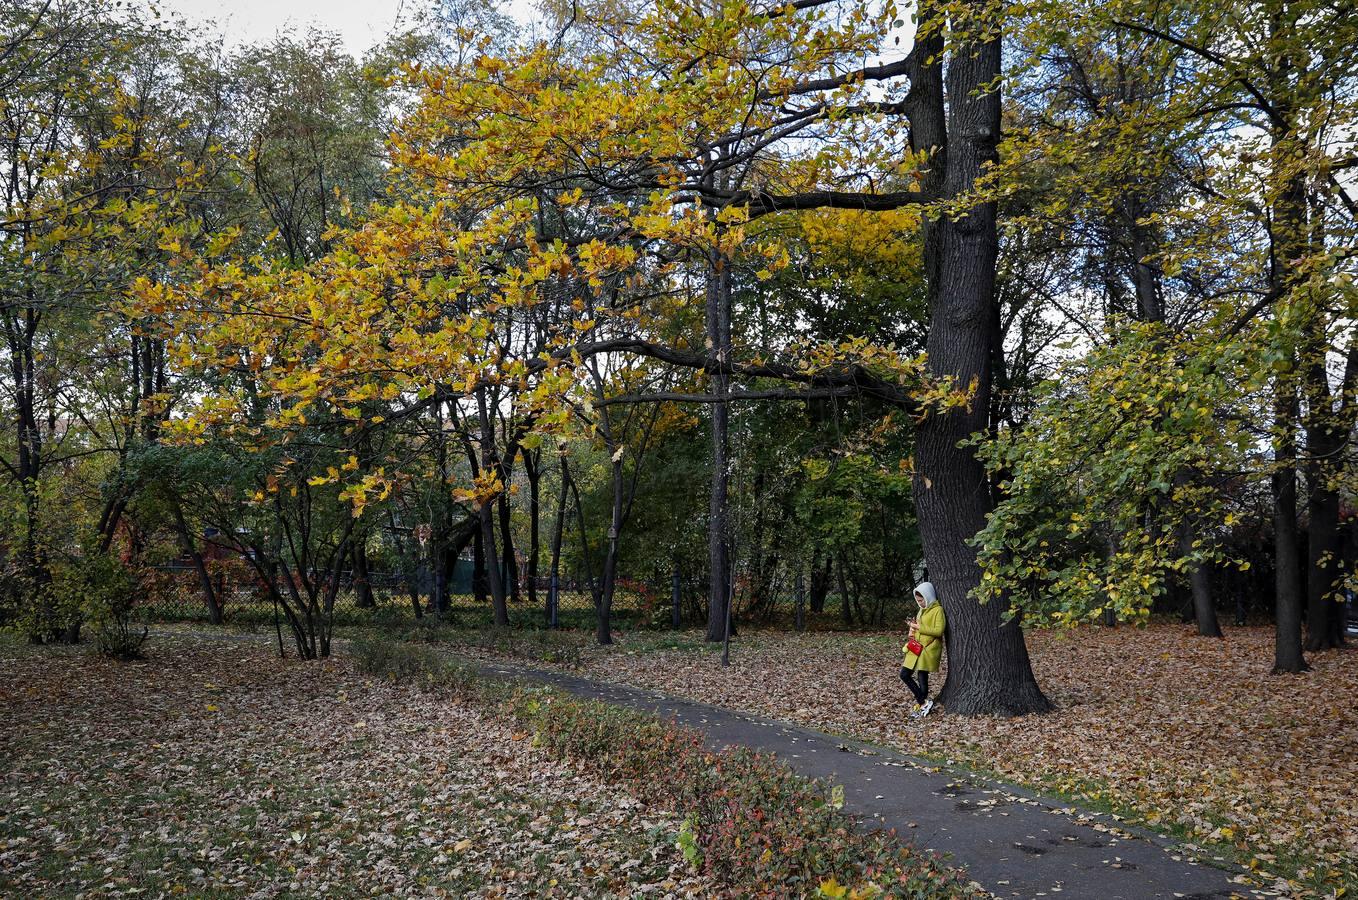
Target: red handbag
(915,647)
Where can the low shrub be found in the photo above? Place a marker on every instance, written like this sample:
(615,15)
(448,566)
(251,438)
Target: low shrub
(107,592)
(92,592)
(749,821)
(417,664)
(562,648)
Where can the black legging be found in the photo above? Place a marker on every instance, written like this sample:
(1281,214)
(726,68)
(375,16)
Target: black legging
(919,688)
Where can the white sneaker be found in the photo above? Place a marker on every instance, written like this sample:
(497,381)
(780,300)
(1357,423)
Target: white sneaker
(924,710)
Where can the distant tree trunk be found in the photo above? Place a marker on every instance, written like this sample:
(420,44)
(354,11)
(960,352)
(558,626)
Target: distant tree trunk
(586,555)
(497,588)
(214,608)
(1200,586)
(509,563)
(479,580)
(1323,563)
(609,578)
(532,469)
(559,528)
(448,567)
(719,562)
(412,580)
(363,589)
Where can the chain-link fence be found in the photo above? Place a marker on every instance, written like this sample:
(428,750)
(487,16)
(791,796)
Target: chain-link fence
(240,599)
(180,595)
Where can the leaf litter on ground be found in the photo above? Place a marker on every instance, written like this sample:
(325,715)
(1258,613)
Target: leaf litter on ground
(215,768)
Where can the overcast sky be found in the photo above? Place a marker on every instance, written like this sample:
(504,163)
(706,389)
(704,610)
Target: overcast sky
(360,23)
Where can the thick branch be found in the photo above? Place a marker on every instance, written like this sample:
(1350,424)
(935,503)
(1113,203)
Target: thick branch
(779,394)
(761,203)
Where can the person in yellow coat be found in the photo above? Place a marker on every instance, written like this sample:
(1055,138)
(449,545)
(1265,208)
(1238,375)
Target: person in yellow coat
(927,632)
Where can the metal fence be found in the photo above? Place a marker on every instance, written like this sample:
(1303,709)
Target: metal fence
(396,598)
(179,597)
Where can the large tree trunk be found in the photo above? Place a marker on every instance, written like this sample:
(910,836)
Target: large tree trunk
(820,586)
(498,601)
(1323,562)
(1287,648)
(845,598)
(988,666)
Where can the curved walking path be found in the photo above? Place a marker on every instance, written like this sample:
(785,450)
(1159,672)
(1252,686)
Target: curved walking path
(1013,842)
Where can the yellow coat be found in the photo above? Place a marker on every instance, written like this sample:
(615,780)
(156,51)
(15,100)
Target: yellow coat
(932,622)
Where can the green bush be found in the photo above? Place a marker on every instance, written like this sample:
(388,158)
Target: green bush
(44,613)
(106,593)
(93,590)
(417,664)
(750,821)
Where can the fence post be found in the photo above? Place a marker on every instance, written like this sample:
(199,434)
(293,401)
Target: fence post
(674,598)
(801,597)
(552,600)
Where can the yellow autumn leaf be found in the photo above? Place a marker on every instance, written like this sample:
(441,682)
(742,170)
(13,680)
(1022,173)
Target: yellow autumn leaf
(831,888)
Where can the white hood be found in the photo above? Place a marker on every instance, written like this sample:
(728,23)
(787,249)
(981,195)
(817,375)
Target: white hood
(926,590)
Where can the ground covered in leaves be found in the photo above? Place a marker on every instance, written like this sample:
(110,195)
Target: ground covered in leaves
(217,769)
(1189,733)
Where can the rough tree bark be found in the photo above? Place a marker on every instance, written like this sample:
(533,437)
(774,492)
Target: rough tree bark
(988,666)
(1287,646)
(1199,585)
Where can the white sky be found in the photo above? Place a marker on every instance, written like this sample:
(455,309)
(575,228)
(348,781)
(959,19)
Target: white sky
(359,23)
